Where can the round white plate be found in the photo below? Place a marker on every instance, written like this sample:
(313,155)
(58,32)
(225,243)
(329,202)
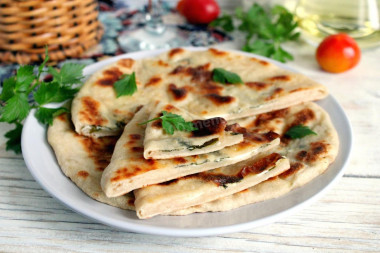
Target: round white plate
(41,161)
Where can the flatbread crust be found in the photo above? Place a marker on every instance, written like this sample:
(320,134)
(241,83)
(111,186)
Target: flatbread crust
(181,77)
(207,186)
(129,170)
(309,156)
(83,159)
(210,136)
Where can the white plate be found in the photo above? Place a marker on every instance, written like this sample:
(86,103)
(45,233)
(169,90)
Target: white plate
(40,160)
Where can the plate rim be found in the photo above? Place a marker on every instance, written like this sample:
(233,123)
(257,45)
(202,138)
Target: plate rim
(189,232)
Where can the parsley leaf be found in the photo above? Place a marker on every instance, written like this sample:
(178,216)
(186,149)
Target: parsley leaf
(299,131)
(14,139)
(225,22)
(173,122)
(265,30)
(14,102)
(70,73)
(8,88)
(25,77)
(126,85)
(16,108)
(46,115)
(226,77)
(53,92)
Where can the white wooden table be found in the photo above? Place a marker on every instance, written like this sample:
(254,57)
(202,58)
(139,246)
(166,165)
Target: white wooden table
(347,218)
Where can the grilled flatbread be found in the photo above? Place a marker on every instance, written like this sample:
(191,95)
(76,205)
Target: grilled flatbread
(309,156)
(207,186)
(210,136)
(83,159)
(129,169)
(184,78)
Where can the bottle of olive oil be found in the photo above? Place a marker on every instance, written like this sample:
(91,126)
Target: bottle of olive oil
(358,18)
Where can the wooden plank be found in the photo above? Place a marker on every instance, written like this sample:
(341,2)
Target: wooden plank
(346,219)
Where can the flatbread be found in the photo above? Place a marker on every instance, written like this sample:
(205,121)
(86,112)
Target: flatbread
(309,156)
(129,169)
(203,187)
(210,136)
(184,79)
(83,159)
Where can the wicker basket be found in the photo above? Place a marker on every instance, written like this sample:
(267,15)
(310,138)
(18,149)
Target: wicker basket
(67,27)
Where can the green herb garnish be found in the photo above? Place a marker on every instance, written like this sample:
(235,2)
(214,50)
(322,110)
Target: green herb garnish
(126,85)
(265,30)
(16,97)
(226,77)
(299,131)
(173,122)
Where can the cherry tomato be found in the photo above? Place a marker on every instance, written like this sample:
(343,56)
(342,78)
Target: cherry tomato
(180,7)
(199,11)
(338,53)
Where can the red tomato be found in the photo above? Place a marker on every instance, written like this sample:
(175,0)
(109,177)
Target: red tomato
(199,11)
(180,6)
(338,53)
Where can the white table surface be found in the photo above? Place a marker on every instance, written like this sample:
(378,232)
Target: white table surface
(347,218)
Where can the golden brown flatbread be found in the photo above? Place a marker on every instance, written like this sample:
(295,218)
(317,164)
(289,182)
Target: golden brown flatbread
(184,78)
(83,159)
(203,187)
(211,135)
(129,170)
(309,156)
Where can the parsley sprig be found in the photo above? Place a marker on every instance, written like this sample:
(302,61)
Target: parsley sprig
(266,30)
(16,97)
(173,122)
(225,77)
(126,85)
(299,131)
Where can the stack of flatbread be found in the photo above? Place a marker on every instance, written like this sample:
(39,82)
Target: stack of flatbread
(238,154)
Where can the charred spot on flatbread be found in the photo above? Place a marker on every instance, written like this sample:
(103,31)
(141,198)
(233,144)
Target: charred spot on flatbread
(220,100)
(251,135)
(126,63)
(162,63)
(179,160)
(303,117)
(110,76)
(262,62)
(276,93)
(260,165)
(298,89)
(317,150)
(175,51)
(220,179)
(98,149)
(178,93)
(216,52)
(208,127)
(155,80)
(198,74)
(90,112)
(282,78)
(265,137)
(137,149)
(258,85)
(62,117)
(294,167)
(83,174)
(265,118)
(125,173)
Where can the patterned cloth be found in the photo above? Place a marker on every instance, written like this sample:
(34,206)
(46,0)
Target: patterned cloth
(121,16)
